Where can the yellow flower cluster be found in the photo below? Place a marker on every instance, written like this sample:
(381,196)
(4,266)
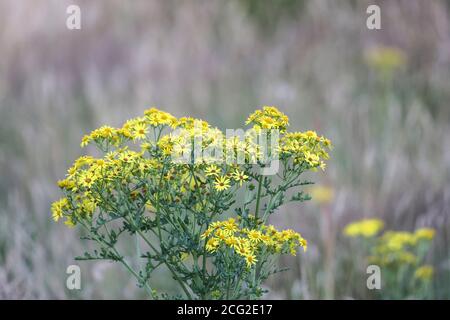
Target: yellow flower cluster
(322,194)
(399,247)
(87,173)
(424,273)
(106,134)
(133,129)
(268,118)
(156,118)
(89,176)
(395,249)
(386,58)
(174,177)
(306,147)
(248,243)
(192,134)
(366,228)
(58,208)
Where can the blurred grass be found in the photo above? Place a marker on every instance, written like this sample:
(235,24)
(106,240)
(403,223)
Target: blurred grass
(219,60)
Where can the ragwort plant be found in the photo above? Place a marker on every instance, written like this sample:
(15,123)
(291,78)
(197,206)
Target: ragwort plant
(198,199)
(400,256)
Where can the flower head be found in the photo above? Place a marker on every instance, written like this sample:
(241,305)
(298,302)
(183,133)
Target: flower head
(239,176)
(366,228)
(212,170)
(222,183)
(424,273)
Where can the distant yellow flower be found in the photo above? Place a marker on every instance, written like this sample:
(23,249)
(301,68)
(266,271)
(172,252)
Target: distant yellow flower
(366,228)
(424,273)
(386,58)
(405,257)
(425,233)
(222,183)
(322,194)
(398,240)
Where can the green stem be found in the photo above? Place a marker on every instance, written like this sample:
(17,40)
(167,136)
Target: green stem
(168,266)
(258,197)
(101,241)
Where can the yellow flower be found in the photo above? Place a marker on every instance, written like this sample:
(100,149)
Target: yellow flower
(184,256)
(239,176)
(222,183)
(207,233)
(305,147)
(424,234)
(405,257)
(312,159)
(212,244)
(66,184)
(85,140)
(322,194)
(254,236)
(366,228)
(386,58)
(104,133)
(212,170)
(69,222)
(230,225)
(157,117)
(232,242)
(250,259)
(397,240)
(140,131)
(266,239)
(242,248)
(221,235)
(267,122)
(303,243)
(87,179)
(88,206)
(58,208)
(424,273)
(268,118)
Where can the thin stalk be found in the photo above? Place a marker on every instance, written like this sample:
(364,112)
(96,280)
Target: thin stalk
(168,266)
(258,197)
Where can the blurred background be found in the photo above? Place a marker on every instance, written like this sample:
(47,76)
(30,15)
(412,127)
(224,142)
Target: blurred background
(381,96)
